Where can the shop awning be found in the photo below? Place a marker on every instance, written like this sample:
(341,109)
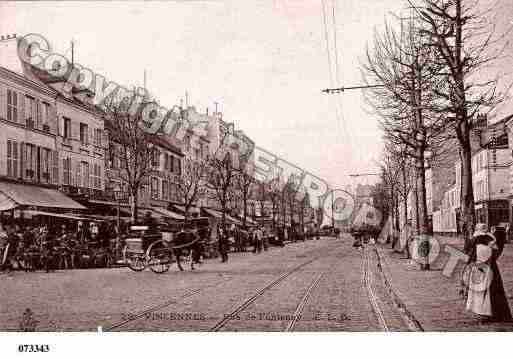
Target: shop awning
(13,195)
(166,213)
(219,215)
(191,210)
(58,215)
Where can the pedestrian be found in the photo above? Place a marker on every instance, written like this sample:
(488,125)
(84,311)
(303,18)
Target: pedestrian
(257,240)
(486,296)
(223,244)
(265,240)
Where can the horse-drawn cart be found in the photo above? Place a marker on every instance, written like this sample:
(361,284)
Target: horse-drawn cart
(158,251)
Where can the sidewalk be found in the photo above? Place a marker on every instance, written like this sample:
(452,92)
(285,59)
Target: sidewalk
(432,298)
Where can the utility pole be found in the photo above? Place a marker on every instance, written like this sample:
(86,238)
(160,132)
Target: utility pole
(342,89)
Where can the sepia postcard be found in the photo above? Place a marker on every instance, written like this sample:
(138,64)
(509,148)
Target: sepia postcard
(255,166)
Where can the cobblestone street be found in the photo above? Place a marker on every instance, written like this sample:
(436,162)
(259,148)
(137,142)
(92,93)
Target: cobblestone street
(323,285)
(86,299)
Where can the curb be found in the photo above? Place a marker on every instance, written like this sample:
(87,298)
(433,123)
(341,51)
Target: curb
(413,322)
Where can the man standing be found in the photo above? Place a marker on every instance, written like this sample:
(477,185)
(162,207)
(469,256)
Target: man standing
(223,244)
(258,240)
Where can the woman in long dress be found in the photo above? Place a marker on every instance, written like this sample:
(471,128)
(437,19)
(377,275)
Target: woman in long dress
(486,295)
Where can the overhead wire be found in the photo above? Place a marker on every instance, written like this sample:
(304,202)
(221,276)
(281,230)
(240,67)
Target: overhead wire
(339,107)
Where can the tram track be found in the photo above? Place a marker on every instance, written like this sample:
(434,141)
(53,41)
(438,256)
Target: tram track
(301,305)
(367,282)
(191,293)
(134,317)
(290,322)
(239,309)
(390,313)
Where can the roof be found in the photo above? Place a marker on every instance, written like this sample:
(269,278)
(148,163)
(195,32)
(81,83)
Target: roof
(13,195)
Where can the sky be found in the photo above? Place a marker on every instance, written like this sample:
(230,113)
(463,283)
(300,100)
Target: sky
(264,62)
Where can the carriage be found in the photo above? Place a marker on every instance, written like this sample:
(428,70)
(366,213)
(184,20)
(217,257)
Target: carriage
(158,248)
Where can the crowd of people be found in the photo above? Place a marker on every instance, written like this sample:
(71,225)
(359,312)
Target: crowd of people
(57,243)
(30,245)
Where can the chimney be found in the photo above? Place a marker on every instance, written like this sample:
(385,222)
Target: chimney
(9,53)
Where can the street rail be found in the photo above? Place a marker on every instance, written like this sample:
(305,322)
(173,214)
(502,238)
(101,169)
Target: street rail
(390,311)
(157,307)
(222,323)
(367,282)
(301,306)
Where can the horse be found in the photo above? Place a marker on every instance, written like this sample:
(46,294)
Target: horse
(187,243)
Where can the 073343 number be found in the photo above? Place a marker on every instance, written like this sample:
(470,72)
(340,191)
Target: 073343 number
(33,348)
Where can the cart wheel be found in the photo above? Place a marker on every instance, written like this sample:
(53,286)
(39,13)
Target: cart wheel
(159,257)
(136,262)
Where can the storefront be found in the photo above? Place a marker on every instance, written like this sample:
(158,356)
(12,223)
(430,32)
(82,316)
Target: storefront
(493,213)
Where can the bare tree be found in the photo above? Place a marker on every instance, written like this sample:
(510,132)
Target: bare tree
(191,184)
(132,143)
(402,64)
(244,182)
(220,180)
(466,43)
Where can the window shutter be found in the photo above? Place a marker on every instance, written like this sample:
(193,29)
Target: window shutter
(39,113)
(78,177)
(101,176)
(22,160)
(9,158)
(21,108)
(3,103)
(55,167)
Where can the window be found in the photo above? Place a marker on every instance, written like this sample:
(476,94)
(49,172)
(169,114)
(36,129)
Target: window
(188,143)
(55,167)
(45,165)
(12,106)
(168,162)
(78,177)
(12,158)
(96,176)
(165,190)
(154,188)
(30,111)
(67,128)
(178,166)
(84,138)
(30,161)
(66,170)
(45,116)
(172,163)
(155,162)
(113,157)
(98,137)
(85,174)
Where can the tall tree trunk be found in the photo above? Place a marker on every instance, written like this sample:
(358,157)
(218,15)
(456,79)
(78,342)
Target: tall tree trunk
(416,194)
(467,196)
(135,203)
(245,203)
